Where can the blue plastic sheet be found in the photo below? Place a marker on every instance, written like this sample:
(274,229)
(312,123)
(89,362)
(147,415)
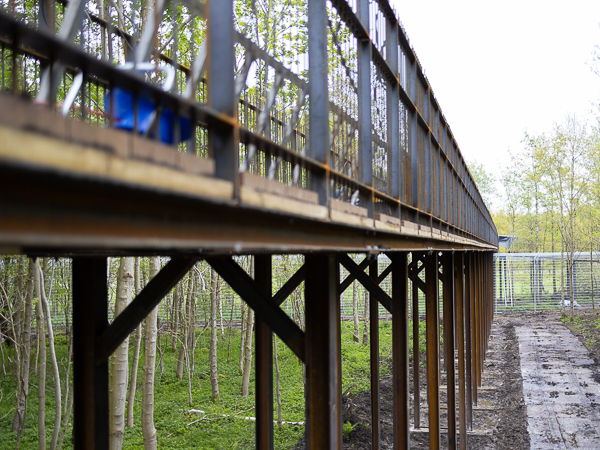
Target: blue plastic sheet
(124,118)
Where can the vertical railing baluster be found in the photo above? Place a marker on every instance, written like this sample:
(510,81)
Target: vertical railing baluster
(318,144)
(222,141)
(365,146)
(393,118)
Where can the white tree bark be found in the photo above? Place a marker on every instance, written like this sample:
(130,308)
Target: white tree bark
(119,362)
(23,387)
(214,378)
(356,334)
(248,353)
(136,352)
(53,360)
(41,343)
(148,429)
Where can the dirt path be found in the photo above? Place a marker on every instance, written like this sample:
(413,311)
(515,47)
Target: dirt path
(558,386)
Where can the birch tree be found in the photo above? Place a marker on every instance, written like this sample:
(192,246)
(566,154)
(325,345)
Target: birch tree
(148,429)
(119,361)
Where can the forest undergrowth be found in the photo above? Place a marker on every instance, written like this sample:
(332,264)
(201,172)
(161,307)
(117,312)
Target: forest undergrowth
(203,424)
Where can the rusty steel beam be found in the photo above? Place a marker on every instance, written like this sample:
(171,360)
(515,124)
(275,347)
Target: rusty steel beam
(90,378)
(156,289)
(290,286)
(369,283)
(400,350)
(323,353)
(263,370)
(433,339)
(260,301)
(350,278)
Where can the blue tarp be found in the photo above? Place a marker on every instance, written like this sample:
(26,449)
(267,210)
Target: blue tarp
(123,116)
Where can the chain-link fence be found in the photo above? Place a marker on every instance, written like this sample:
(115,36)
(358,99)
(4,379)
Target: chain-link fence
(532,281)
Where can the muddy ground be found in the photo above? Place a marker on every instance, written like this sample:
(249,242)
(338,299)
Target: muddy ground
(500,418)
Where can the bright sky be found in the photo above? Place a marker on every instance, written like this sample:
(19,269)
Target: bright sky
(499,69)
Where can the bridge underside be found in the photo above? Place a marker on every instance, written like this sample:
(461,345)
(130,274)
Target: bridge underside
(67,187)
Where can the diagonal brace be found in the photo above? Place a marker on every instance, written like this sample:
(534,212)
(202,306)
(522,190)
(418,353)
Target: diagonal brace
(350,278)
(140,307)
(366,281)
(261,302)
(290,286)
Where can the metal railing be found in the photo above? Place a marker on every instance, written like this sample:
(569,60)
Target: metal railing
(537,281)
(338,104)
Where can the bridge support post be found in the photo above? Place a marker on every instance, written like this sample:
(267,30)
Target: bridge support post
(400,359)
(433,340)
(449,298)
(90,379)
(263,362)
(374,359)
(416,356)
(323,353)
(460,331)
(468,354)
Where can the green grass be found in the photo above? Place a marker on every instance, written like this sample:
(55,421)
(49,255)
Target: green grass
(172,420)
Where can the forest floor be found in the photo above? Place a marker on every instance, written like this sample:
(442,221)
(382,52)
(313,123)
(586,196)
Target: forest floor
(500,419)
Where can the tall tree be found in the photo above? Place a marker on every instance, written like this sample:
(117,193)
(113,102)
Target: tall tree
(120,359)
(148,429)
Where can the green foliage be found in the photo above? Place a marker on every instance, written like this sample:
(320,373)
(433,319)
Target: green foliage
(347,428)
(222,423)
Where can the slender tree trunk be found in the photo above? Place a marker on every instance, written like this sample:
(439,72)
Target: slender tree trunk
(277,381)
(53,360)
(41,343)
(136,351)
(220,303)
(365,338)
(119,361)
(214,377)
(23,387)
(356,334)
(148,429)
(176,314)
(242,335)
(248,353)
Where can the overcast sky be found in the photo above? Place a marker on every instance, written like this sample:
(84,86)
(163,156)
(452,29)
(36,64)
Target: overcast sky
(499,69)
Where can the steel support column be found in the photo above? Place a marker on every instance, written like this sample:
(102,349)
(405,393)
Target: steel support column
(90,380)
(460,331)
(400,350)
(449,296)
(263,372)
(433,339)
(416,356)
(323,353)
(468,346)
(374,360)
